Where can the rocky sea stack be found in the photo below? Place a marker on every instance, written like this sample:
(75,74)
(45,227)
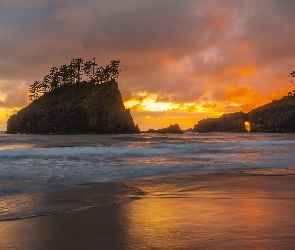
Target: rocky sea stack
(83,107)
(172,129)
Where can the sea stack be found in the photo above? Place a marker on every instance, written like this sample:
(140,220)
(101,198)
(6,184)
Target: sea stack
(78,108)
(172,129)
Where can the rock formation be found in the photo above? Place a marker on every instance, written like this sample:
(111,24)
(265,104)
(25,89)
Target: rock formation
(78,108)
(172,129)
(275,117)
(234,122)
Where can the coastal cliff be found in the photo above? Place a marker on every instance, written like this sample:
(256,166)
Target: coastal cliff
(78,108)
(275,117)
(234,122)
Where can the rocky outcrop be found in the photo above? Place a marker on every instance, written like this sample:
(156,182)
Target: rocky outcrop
(275,117)
(79,108)
(172,129)
(234,122)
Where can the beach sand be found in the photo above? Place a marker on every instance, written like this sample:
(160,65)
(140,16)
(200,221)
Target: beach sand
(213,210)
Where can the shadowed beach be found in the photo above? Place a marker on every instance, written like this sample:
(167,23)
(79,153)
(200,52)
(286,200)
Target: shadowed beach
(217,210)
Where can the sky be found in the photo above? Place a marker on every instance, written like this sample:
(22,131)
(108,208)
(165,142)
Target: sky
(181,61)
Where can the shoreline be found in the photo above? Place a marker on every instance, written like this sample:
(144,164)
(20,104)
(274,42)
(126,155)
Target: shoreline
(111,193)
(248,209)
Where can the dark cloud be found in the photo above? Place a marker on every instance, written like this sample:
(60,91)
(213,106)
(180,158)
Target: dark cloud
(176,49)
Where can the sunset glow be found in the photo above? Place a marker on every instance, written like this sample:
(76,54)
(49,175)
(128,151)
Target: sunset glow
(181,61)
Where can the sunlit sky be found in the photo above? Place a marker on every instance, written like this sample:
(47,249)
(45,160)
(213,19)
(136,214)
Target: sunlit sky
(181,61)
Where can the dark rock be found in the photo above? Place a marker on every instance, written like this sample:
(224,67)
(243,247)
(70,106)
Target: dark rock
(275,117)
(94,109)
(234,122)
(172,129)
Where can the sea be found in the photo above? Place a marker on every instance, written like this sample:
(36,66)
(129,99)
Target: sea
(35,169)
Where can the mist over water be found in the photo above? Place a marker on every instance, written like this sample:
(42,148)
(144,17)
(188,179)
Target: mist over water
(30,164)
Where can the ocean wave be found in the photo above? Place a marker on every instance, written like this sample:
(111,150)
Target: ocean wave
(148,150)
(74,151)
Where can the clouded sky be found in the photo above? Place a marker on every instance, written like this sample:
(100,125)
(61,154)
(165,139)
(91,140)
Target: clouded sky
(181,61)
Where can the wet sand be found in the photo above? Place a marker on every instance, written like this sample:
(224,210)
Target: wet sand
(221,210)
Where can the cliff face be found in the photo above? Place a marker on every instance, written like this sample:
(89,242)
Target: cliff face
(275,117)
(234,122)
(80,108)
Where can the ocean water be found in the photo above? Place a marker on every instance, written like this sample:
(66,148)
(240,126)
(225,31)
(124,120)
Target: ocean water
(31,165)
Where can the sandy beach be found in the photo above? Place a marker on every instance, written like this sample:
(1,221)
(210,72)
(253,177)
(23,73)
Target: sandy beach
(213,210)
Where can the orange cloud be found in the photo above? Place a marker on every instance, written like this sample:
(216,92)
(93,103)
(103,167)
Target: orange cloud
(221,17)
(239,91)
(243,47)
(246,72)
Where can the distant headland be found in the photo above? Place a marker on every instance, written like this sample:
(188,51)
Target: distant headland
(275,117)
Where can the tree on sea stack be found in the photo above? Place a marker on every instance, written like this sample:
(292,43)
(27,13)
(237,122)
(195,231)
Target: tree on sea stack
(292,93)
(76,66)
(89,69)
(64,74)
(53,78)
(34,91)
(77,71)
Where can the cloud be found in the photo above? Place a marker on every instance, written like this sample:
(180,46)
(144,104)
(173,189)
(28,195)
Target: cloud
(4,115)
(236,93)
(13,94)
(189,51)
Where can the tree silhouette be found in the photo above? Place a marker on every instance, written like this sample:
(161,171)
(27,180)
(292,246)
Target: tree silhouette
(90,69)
(99,73)
(64,74)
(75,72)
(76,69)
(45,84)
(292,93)
(114,69)
(72,72)
(53,78)
(35,91)
(108,73)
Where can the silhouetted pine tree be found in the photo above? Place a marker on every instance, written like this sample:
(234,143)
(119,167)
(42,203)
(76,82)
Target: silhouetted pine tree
(73,73)
(292,93)
(90,69)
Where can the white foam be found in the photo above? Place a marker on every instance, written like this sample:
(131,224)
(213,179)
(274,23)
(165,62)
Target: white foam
(76,151)
(35,165)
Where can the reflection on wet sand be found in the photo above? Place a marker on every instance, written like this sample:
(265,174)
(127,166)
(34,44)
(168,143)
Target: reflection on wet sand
(227,211)
(210,211)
